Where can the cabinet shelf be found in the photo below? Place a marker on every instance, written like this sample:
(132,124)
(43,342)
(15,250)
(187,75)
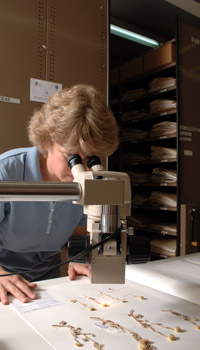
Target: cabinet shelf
(152,161)
(150,139)
(161,184)
(168,113)
(150,230)
(166,69)
(151,95)
(154,208)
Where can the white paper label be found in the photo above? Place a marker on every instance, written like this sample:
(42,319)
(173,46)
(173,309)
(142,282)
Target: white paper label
(9,99)
(44,300)
(41,90)
(188,153)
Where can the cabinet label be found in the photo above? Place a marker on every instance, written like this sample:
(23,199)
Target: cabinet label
(41,90)
(10,99)
(188,153)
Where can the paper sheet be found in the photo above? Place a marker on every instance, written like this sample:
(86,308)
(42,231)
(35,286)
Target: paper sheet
(111,303)
(44,300)
(178,276)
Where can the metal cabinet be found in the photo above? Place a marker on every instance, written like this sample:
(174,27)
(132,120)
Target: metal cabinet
(60,41)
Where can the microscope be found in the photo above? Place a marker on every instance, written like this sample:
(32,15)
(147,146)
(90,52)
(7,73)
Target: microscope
(106,198)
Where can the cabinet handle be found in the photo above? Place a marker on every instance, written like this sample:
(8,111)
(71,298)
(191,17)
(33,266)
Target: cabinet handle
(192,217)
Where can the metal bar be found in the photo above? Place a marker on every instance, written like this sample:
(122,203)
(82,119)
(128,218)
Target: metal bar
(30,191)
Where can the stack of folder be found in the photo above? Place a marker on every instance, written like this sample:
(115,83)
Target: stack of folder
(163,128)
(133,94)
(161,83)
(164,175)
(164,246)
(162,105)
(160,153)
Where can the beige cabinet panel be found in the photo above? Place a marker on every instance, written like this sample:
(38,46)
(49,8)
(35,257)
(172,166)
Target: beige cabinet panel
(77,42)
(61,41)
(22,24)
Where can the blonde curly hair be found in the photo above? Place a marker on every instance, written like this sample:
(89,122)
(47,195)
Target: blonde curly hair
(76,118)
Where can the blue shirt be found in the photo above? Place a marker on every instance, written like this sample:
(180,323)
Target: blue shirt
(32,233)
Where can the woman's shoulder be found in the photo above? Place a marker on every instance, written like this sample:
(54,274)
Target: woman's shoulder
(12,162)
(16,152)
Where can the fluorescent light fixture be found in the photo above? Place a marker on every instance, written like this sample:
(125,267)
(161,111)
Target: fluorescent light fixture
(138,38)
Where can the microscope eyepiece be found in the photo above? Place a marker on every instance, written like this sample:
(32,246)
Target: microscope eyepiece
(93,160)
(74,159)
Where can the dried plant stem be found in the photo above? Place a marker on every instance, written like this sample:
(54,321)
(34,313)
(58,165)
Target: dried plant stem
(176,329)
(193,320)
(93,299)
(146,324)
(82,304)
(97,301)
(134,335)
(113,298)
(140,297)
(77,332)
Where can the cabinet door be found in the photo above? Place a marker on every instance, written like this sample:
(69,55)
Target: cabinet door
(60,41)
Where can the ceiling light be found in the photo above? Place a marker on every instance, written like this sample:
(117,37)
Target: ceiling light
(138,38)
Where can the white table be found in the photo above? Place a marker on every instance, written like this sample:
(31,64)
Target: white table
(29,330)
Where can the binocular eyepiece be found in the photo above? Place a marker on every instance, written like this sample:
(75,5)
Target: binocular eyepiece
(75,159)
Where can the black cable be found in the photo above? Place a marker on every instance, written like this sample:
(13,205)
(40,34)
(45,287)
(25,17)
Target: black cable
(79,255)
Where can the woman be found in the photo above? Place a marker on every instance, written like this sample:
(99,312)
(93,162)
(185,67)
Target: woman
(32,234)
